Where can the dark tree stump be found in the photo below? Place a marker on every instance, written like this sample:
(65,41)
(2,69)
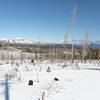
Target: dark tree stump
(56,79)
(30,82)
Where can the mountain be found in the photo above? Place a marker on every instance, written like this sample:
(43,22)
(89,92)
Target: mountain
(20,41)
(16,41)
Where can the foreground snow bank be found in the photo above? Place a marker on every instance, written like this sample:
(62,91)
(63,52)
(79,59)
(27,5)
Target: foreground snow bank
(83,84)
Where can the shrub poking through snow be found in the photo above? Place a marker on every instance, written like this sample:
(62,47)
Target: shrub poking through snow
(77,66)
(17,64)
(32,61)
(48,69)
(65,65)
(18,77)
(51,87)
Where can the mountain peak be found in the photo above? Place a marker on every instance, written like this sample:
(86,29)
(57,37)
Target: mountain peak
(17,40)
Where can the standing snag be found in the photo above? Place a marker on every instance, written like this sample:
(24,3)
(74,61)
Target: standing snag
(43,95)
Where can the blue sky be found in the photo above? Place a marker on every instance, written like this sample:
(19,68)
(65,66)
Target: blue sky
(48,19)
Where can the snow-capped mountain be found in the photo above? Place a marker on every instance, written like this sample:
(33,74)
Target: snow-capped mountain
(20,40)
(79,43)
(17,41)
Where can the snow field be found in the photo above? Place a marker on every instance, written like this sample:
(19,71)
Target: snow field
(73,84)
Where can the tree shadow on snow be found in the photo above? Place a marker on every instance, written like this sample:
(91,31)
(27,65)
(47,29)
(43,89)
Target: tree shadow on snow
(93,69)
(6,85)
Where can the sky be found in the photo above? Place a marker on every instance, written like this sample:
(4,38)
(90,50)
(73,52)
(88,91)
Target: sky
(50,20)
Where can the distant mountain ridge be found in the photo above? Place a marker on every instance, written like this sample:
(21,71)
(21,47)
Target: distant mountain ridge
(79,43)
(17,40)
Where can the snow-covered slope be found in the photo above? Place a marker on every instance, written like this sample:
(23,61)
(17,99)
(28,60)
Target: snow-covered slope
(83,84)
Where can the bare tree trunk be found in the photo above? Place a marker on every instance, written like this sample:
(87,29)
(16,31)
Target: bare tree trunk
(43,96)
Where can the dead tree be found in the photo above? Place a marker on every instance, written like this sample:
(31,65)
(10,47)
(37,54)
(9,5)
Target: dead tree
(85,47)
(43,96)
(73,31)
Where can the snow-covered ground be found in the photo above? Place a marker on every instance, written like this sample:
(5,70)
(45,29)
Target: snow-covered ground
(80,82)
